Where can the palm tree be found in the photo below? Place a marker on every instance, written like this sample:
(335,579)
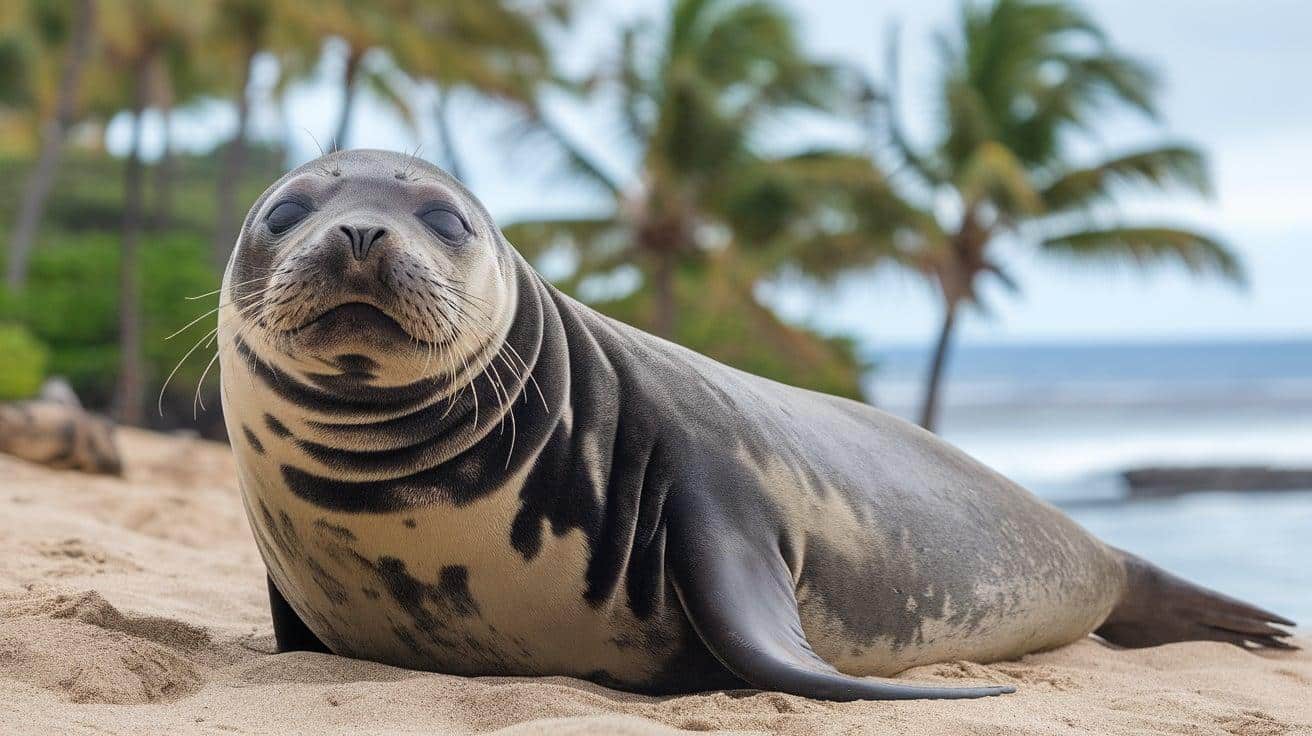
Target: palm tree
(138,34)
(1020,80)
(74,32)
(693,102)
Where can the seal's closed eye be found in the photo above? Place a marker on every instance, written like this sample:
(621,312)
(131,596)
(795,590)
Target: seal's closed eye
(447,224)
(285,216)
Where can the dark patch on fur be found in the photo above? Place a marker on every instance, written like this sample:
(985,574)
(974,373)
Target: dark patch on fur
(332,588)
(336,530)
(408,639)
(252,440)
(276,426)
(356,363)
(410,523)
(283,536)
(453,581)
(449,596)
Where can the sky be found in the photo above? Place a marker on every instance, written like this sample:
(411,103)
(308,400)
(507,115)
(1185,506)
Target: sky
(1235,83)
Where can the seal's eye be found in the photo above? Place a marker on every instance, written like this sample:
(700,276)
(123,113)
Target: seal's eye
(285,216)
(447,224)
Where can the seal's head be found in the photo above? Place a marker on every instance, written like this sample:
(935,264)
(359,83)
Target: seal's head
(369,258)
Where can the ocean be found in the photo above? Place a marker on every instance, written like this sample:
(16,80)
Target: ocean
(1065,420)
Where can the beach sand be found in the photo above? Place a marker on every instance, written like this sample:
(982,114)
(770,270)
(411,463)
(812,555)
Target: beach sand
(137,606)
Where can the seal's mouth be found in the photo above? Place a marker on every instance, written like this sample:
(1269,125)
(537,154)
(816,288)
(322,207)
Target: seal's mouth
(351,311)
(356,319)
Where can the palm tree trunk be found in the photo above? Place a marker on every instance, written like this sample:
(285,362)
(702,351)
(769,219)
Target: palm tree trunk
(441,118)
(234,163)
(667,306)
(52,145)
(165,172)
(937,365)
(128,393)
(348,101)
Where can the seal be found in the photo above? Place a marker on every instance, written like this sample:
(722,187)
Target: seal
(449,465)
(53,429)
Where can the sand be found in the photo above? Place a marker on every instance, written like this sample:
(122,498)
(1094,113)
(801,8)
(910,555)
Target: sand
(137,606)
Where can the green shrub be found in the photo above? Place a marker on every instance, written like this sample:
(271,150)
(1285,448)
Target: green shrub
(24,364)
(71,305)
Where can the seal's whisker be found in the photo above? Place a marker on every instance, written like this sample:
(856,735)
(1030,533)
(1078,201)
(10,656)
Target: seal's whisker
(220,289)
(188,326)
(529,371)
(454,397)
(185,327)
(458,286)
(468,298)
(196,399)
(474,387)
(497,390)
(518,374)
(160,401)
(322,153)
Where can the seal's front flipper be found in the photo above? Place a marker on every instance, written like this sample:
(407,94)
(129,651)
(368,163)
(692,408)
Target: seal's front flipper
(739,597)
(289,631)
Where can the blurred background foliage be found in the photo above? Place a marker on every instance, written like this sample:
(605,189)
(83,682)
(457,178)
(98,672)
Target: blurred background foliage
(25,362)
(104,251)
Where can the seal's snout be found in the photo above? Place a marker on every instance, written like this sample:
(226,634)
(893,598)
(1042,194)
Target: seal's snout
(362,238)
(360,279)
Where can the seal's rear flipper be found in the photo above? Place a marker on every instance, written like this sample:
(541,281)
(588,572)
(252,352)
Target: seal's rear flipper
(1160,608)
(739,597)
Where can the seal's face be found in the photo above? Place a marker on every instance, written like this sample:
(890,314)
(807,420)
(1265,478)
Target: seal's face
(374,254)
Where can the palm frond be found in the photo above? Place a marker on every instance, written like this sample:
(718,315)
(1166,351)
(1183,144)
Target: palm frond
(580,162)
(922,165)
(824,211)
(1160,167)
(1148,246)
(994,174)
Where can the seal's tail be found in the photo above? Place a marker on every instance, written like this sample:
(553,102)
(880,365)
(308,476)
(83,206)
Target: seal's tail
(1159,608)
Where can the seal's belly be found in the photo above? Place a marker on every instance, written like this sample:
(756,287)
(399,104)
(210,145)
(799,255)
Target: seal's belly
(440,588)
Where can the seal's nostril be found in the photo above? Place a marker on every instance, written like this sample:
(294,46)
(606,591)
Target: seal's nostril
(362,239)
(369,236)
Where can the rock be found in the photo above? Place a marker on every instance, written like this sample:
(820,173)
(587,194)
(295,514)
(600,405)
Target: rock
(1156,482)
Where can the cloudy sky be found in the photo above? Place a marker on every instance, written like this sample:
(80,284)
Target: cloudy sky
(1236,81)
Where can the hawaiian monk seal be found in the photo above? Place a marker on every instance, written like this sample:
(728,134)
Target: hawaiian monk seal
(449,465)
